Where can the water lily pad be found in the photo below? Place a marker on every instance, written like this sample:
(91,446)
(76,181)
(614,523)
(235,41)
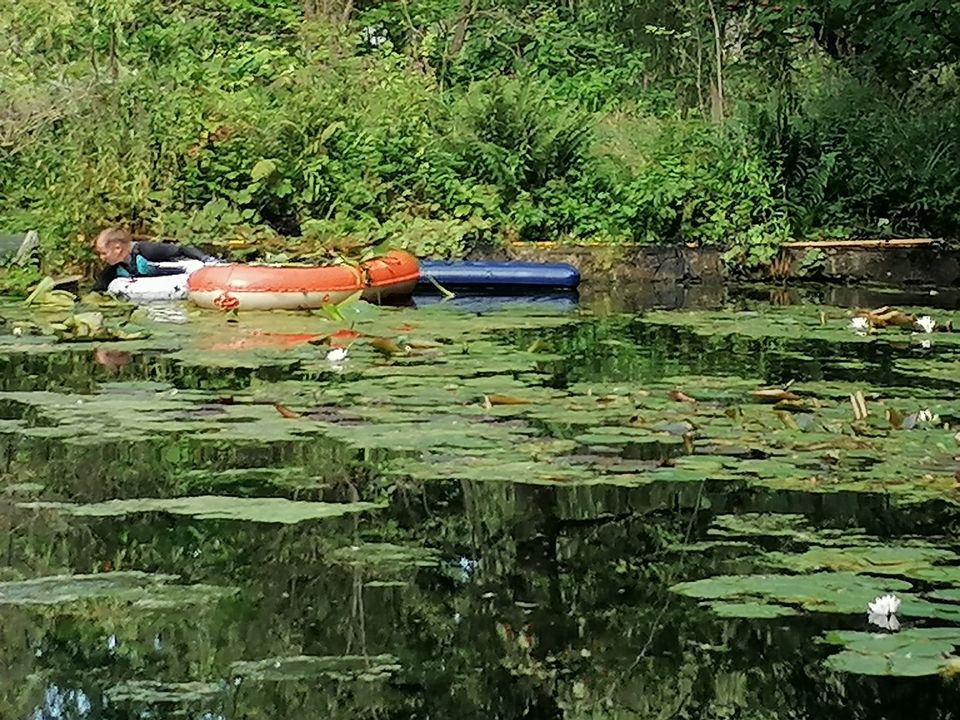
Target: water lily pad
(140,589)
(840,592)
(24,488)
(214,507)
(731,546)
(894,664)
(877,559)
(941,574)
(754,610)
(386,554)
(150,692)
(303,667)
(780,525)
(910,653)
(458,433)
(949,595)
(502,470)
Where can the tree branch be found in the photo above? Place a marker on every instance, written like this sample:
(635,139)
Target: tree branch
(468,10)
(718,49)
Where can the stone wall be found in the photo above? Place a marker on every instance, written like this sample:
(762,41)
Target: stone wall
(616,264)
(907,266)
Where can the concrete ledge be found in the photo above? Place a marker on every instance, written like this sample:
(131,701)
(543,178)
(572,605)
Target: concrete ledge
(678,263)
(638,263)
(908,266)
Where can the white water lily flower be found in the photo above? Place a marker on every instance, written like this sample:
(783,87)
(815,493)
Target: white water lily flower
(925,324)
(885,622)
(860,325)
(925,416)
(888,604)
(925,344)
(337,357)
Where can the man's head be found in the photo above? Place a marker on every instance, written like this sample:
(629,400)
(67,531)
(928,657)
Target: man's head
(113,246)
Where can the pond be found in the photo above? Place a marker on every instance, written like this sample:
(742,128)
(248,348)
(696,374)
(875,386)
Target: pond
(501,510)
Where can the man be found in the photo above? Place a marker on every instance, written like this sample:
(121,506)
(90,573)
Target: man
(126,258)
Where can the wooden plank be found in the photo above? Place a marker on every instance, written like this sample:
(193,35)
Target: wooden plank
(862,244)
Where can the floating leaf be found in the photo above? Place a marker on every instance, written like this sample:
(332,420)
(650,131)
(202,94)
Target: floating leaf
(386,346)
(366,668)
(286,412)
(859,405)
(948,595)
(498,399)
(906,665)
(386,554)
(88,326)
(912,652)
(950,667)
(787,419)
(774,395)
(840,592)
(782,525)
(44,286)
(884,316)
(137,588)
(753,610)
(150,692)
(880,559)
(45,293)
(214,507)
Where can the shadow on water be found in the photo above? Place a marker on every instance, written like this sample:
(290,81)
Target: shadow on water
(628,349)
(602,297)
(452,597)
(556,613)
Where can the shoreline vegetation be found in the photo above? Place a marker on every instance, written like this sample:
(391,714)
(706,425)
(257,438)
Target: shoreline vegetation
(298,130)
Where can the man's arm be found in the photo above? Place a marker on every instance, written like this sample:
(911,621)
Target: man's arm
(165,252)
(106,276)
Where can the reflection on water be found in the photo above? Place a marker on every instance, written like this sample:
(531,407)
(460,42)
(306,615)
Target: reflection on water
(567,301)
(514,559)
(166,312)
(62,705)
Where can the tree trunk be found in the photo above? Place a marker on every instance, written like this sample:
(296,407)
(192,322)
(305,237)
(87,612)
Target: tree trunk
(716,89)
(335,11)
(114,60)
(468,9)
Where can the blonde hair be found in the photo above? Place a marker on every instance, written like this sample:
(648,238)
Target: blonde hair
(114,236)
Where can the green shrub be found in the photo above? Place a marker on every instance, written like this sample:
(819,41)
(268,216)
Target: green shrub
(213,121)
(854,159)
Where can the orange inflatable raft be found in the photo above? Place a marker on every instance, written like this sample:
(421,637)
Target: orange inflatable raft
(277,287)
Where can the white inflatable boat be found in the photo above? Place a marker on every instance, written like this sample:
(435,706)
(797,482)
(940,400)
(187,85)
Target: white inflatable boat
(158,287)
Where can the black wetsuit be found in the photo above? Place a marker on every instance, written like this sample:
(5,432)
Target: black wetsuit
(142,255)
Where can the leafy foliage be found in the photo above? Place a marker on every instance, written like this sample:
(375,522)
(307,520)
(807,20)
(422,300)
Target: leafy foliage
(442,125)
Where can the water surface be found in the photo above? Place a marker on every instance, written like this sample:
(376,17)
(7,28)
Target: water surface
(487,512)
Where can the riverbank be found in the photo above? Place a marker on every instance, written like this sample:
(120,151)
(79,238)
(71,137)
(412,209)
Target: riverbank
(926,266)
(277,124)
